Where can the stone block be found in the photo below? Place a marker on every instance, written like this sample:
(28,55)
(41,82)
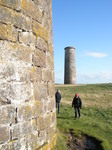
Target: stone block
(51,131)
(36,109)
(50,61)
(46,6)
(6,72)
(43,122)
(2,31)
(22,92)
(4,134)
(13,4)
(48,133)
(46,102)
(25,74)
(40,31)
(5,15)
(36,74)
(11,33)
(50,90)
(42,137)
(32,10)
(21,129)
(53,79)
(47,75)
(4,147)
(45,21)
(40,3)
(27,38)
(20,144)
(24,112)
(33,141)
(16,92)
(41,134)
(6,93)
(17,144)
(50,32)
(50,47)
(53,116)
(1,49)
(8,32)
(17,53)
(47,120)
(21,21)
(39,58)
(22,74)
(40,123)
(51,105)
(7,114)
(40,91)
(17,19)
(32,39)
(24,37)
(34,125)
(42,44)
(12,72)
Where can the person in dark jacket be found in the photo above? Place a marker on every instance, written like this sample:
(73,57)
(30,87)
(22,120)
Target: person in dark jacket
(77,103)
(58,99)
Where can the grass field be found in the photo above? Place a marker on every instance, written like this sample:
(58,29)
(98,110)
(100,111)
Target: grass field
(96,119)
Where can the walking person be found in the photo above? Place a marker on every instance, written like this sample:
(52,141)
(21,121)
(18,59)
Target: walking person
(77,103)
(58,99)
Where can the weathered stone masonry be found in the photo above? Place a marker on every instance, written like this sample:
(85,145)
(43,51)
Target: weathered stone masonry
(70,66)
(27,103)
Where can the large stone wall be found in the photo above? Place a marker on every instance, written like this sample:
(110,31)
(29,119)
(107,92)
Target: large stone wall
(27,103)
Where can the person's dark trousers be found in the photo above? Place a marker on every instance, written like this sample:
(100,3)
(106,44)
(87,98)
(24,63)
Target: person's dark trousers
(77,110)
(58,106)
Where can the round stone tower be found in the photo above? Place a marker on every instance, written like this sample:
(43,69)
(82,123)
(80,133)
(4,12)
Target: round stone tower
(70,67)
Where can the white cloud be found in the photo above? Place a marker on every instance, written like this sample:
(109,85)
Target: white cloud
(107,75)
(96,54)
(100,77)
(88,78)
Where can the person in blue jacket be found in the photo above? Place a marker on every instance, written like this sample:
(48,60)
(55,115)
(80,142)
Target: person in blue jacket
(58,99)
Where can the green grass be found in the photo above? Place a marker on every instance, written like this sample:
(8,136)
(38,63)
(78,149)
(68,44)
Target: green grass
(96,120)
(61,145)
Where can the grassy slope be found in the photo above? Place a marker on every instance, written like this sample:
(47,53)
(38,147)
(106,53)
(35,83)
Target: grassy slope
(96,117)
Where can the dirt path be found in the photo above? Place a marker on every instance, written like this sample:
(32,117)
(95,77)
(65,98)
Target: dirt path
(83,143)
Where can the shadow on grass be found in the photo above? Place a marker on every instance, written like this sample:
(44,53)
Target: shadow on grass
(65,117)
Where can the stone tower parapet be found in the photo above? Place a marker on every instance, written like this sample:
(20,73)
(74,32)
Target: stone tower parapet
(70,67)
(27,103)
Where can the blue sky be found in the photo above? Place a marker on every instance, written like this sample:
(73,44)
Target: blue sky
(87,26)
